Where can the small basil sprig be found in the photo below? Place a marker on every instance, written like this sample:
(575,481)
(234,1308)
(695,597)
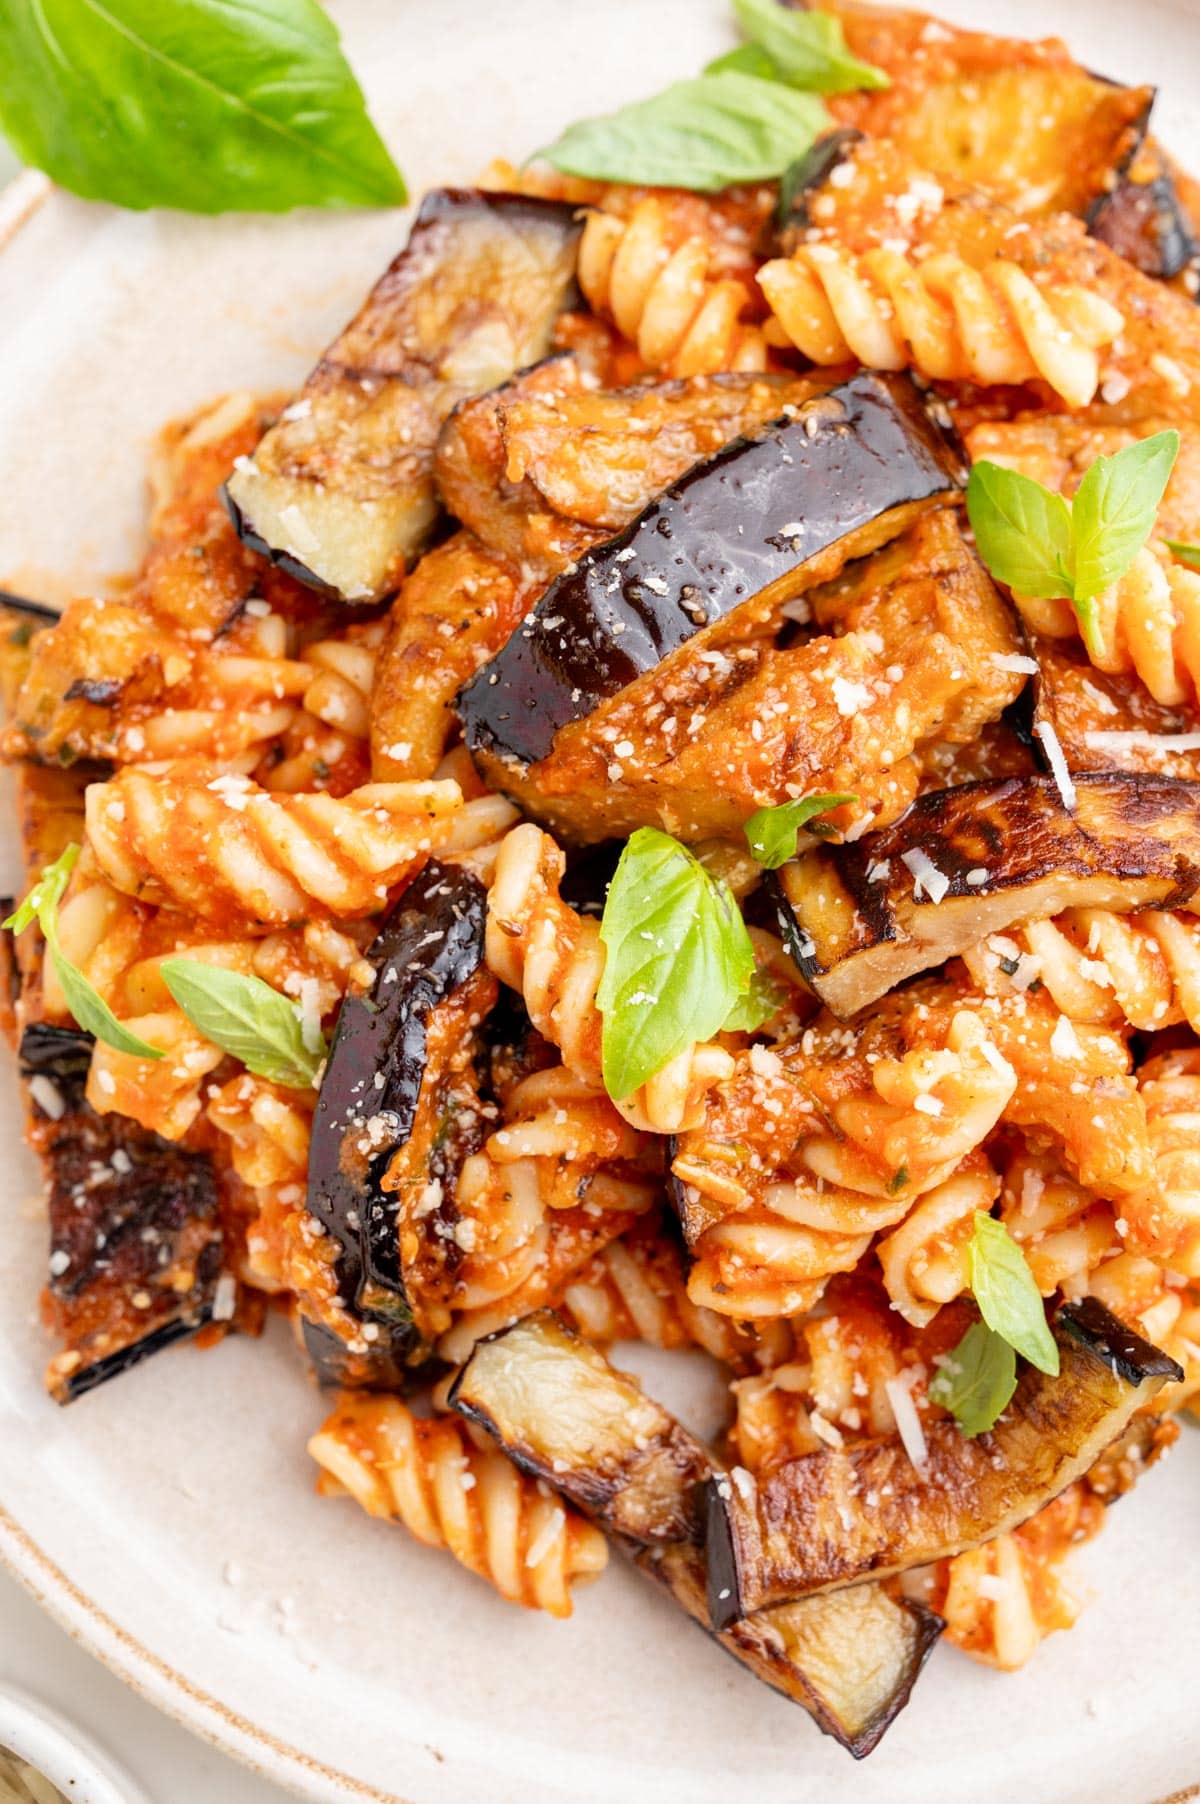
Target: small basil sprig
(197,104)
(808,49)
(1049,548)
(977,1380)
(1009,1300)
(1187,554)
(678,959)
(704,134)
(87,1006)
(772,833)
(246,1018)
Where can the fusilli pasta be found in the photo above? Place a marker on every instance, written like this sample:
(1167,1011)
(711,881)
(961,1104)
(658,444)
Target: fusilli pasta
(451,1493)
(223,848)
(653,277)
(942,317)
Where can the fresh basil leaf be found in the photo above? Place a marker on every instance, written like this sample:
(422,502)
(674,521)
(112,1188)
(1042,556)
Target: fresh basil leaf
(977,1379)
(46,893)
(1009,1300)
(246,1018)
(87,1006)
(747,59)
(809,47)
(206,105)
(703,134)
(763,999)
(1187,554)
(1114,510)
(772,833)
(678,957)
(1022,531)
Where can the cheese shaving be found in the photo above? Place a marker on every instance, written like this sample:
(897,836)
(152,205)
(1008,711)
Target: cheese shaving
(1058,764)
(926,875)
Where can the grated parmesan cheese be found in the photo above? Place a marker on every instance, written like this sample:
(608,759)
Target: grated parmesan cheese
(926,875)
(1064,1041)
(1058,764)
(908,1422)
(1016,662)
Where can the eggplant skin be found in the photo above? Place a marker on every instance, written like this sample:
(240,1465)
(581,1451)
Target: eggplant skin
(563,1414)
(430,944)
(1145,222)
(806,177)
(340,491)
(836,1518)
(710,556)
(1010,852)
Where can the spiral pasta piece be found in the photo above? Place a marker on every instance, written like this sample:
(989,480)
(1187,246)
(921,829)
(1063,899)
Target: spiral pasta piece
(540,947)
(1099,967)
(636,1289)
(448,1492)
(225,849)
(940,317)
(924,1259)
(655,281)
(267,1128)
(1146,624)
(162,1094)
(1002,1599)
(1164,1218)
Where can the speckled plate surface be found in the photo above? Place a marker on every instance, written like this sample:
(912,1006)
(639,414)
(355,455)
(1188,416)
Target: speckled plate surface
(169,1520)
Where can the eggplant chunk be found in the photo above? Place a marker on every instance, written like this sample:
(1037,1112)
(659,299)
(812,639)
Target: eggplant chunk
(428,950)
(1106,722)
(340,490)
(1015,118)
(850,1658)
(967,862)
(563,1413)
(835,1518)
(1143,219)
(136,1242)
(717,554)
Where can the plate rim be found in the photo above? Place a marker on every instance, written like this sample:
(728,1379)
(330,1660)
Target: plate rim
(159,1684)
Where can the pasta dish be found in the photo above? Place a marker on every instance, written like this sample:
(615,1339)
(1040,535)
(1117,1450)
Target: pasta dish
(657,798)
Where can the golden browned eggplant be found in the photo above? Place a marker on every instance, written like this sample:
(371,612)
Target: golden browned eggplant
(340,490)
(562,1412)
(713,560)
(836,1518)
(966,862)
(1019,119)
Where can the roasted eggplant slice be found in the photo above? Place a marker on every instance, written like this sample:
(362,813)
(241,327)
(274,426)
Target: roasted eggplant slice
(1143,219)
(963,863)
(429,949)
(1016,118)
(717,554)
(563,1413)
(838,1517)
(340,491)
(850,1658)
(136,1244)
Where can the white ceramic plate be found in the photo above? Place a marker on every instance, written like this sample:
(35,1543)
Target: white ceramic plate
(169,1519)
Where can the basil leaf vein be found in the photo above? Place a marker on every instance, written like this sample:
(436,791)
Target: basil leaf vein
(198,104)
(772,833)
(88,1008)
(977,1380)
(809,48)
(677,959)
(704,134)
(246,1018)
(1009,1300)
